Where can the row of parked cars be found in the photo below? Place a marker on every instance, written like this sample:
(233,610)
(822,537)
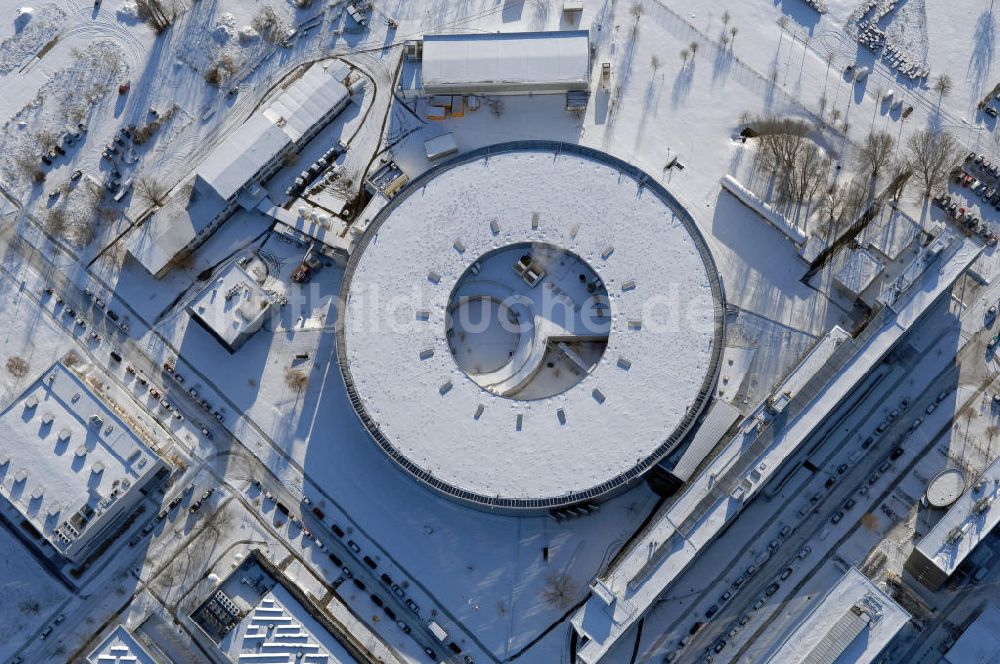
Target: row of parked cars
(314,169)
(965,217)
(850,503)
(346,574)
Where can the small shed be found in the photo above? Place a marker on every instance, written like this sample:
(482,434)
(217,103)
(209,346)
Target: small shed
(440,146)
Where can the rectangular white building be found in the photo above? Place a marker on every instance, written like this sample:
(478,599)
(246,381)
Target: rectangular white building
(853,622)
(232,307)
(501,63)
(967,522)
(68,465)
(232,174)
(120,647)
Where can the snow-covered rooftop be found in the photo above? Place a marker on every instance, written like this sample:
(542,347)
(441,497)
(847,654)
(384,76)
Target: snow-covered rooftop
(859,271)
(853,622)
(980,642)
(62,449)
(238,158)
(120,647)
(649,382)
(280,631)
(717,495)
(262,138)
(492,61)
(186,213)
(971,518)
(233,305)
(891,232)
(308,99)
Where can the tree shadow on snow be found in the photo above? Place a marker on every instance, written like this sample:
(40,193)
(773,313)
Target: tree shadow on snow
(984,45)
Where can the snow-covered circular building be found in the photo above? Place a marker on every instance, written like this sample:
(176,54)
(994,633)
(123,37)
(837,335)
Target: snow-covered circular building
(530,326)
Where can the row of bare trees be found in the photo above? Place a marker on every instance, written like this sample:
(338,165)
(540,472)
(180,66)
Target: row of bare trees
(800,168)
(156,13)
(933,155)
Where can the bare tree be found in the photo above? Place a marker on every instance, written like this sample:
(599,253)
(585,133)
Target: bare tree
(725,18)
(654,62)
(899,175)
(558,591)
(269,25)
(781,140)
(693,47)
(55,222)
(684,55)
(876,152)
(155,14)
(841,205)
(151,191)
(220,71)
(943,84)
(17,366)
(809,174)
(296,380)
(636,10)
(932,154)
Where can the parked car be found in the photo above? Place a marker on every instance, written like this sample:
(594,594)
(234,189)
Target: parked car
(771,589)
(785,573)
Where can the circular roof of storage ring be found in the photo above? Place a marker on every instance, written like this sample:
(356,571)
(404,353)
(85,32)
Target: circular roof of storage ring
(530,326)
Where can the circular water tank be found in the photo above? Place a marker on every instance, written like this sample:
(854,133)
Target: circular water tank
(945,488)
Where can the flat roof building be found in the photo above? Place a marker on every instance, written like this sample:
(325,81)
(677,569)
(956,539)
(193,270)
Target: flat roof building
(257,615)
(233,306)
(231,175)
(756,455)
(966,523)
(980,642)
(853,622)
(120,647)
(185,215)
(500,63)
(68,465)
(857,277)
